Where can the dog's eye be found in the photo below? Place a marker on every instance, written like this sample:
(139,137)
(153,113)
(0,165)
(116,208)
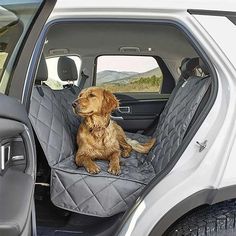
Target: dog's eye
(91,95)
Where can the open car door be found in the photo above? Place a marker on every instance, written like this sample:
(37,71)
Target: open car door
(20,24)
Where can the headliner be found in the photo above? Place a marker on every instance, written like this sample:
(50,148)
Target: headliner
(91,39)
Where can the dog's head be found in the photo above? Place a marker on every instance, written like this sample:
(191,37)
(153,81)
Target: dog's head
(94,100)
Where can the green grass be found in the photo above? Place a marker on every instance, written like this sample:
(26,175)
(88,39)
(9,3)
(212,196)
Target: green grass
(3,56)
(142,84)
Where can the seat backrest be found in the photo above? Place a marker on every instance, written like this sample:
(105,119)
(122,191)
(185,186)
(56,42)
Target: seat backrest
(175,119)
(48,121)
(67,71)
(65,98)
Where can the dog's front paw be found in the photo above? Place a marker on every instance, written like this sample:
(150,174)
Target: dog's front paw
(125,153)
(93,168)
(114,169)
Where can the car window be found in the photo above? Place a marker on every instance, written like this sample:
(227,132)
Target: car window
(53,81)
(121,74)
(15,20)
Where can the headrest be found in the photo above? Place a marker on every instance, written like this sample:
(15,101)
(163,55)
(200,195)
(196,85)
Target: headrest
(66,69)
(188,65)
(204,68)
(42,74)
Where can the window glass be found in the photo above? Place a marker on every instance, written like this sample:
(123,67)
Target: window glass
(53,80)
(3,57)
(15,19)
(121,74)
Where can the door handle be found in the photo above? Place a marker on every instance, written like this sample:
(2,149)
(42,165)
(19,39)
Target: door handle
(117,117)
(5,155)
(124,109)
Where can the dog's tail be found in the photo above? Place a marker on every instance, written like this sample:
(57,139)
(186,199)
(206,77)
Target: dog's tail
(141,147)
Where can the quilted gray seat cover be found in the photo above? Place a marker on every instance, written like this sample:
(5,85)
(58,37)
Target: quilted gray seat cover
(104,195)
(65,97)
(175,119)
(50,125)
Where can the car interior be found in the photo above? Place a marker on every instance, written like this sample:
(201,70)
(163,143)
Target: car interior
(68,199)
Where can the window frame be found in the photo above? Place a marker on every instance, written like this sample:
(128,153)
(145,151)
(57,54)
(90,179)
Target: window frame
(155,57)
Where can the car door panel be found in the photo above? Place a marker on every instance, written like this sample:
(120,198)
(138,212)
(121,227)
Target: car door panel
(17,166)
(15,206)
(138,111)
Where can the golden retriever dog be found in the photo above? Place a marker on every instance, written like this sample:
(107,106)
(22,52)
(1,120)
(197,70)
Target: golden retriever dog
(99,137)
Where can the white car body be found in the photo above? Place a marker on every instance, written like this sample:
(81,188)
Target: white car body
(213,168)
(205,172)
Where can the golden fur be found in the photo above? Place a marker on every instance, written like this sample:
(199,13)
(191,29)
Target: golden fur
(98,136)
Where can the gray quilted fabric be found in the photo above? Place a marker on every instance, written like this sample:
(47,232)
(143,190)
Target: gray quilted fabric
(104,195)
(175,119)
(65,97)
(50,125)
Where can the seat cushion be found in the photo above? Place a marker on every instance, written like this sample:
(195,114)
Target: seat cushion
(102,194)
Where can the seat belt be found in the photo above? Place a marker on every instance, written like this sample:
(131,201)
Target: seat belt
(84,77)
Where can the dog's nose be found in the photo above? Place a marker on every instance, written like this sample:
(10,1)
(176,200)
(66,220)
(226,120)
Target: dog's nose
(74,104)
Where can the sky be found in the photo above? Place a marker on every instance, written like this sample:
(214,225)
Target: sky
(126,63)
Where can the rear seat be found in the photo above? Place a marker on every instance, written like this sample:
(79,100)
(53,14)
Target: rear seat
(47,118)
(67,71)
(104,195)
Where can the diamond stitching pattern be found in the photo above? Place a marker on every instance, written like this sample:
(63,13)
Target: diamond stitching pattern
(51,127)
(94,196)
(175,121)
(104,195)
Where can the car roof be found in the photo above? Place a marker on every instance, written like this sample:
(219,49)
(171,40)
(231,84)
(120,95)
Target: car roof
(75,5)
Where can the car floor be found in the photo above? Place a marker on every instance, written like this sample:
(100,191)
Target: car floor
(53,221)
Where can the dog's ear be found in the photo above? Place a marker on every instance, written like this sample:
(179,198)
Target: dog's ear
(109,103)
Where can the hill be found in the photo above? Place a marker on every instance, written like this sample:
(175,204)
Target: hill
(149,81)
(154,72)
(107,76)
